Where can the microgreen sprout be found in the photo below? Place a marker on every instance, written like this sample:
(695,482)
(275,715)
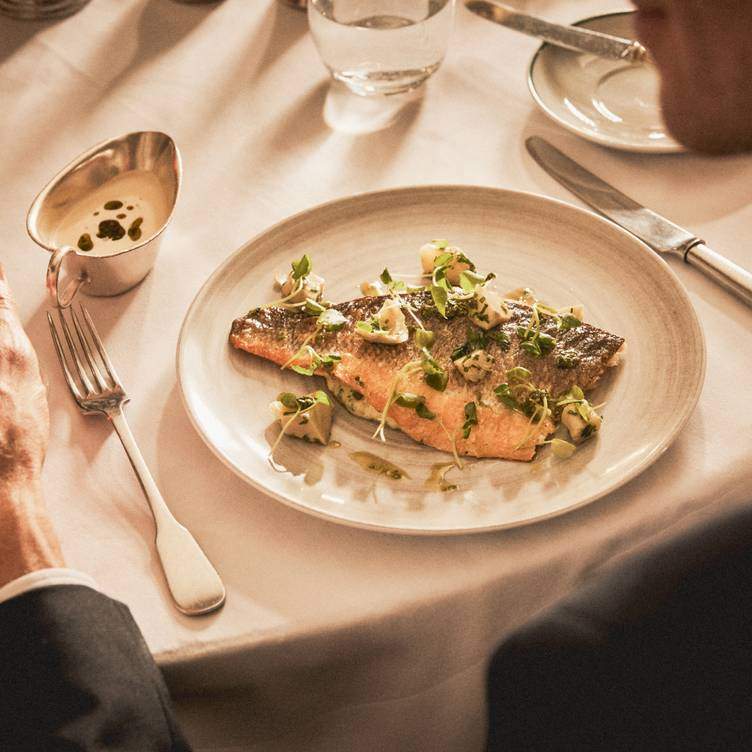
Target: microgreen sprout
(409,368)
(330,320)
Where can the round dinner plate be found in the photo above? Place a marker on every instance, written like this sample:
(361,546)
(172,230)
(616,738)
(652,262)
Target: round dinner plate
(566,254)
(612,103)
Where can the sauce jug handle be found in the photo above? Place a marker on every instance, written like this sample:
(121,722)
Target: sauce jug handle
(62,298)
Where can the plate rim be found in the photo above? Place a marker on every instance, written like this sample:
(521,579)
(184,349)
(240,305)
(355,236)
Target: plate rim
(650,458)
(671,148)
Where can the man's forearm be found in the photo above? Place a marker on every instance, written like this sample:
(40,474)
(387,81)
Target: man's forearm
(27,539)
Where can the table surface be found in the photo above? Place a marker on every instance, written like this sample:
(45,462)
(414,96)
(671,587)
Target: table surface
(324,619)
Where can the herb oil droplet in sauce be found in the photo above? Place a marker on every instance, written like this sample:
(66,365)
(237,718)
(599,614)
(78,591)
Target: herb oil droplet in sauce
(378,465)
(134,231)
(85,242)
(111,228)
(112,205)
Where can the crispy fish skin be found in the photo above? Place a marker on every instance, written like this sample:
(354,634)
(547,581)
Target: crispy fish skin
(369,368)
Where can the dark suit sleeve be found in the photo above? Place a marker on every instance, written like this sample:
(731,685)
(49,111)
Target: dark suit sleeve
(654,655)
(76,675)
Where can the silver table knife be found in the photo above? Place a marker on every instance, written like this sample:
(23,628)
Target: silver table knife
(654,230)
(569,37)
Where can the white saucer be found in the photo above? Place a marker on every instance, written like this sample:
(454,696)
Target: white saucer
(611,103)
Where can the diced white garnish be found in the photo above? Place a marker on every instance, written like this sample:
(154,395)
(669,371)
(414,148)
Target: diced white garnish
(315,424)
(489,309)
(430,251)
(475,366)
(312,288)
(375,288)
(576,424)
(391,327)
(522,294)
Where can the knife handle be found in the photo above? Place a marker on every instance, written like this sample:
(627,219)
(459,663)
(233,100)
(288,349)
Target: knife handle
(728,274)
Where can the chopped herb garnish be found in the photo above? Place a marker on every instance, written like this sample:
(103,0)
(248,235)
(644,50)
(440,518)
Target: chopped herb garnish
(435,376)
(471,419)
(505,396)
(568,321)
(414,402)
(500,337)
(518,374)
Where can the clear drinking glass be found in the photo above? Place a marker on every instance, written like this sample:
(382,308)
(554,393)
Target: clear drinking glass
(381,46)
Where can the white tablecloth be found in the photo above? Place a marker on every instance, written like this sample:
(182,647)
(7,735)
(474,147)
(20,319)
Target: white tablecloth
(332,638)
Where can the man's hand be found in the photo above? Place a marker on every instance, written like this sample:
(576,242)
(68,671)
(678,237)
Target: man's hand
(24,419)
(27,540)
(703,51)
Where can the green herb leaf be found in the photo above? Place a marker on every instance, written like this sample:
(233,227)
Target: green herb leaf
(435,376)
(471,419)
(392,284)
(423,412)
(303,371)
(424,338)
(408,399)
(364,326)
(414,402)
(546,342)
(313,308)
(568,321)
(505,396)
(501,338)
(518,374)
(469,280)
(440,298)
(302,267)
(288,399)
(443,259)
(321,397)
(562,449)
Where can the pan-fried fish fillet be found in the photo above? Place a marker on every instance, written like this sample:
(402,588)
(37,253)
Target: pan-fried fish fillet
(369,369)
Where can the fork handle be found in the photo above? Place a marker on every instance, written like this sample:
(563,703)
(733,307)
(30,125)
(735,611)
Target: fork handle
(194,583)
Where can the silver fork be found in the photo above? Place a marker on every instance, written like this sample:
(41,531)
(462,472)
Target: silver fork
(194,583)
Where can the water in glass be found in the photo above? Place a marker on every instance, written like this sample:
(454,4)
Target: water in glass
(381,46)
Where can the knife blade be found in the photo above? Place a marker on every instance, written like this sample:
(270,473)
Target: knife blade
(659,233)
(570,37)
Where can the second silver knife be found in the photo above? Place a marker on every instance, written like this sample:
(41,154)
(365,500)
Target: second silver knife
(656,231)
(569,37)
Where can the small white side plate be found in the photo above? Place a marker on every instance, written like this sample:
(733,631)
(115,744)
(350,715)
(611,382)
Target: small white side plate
(568,255)
(611,103)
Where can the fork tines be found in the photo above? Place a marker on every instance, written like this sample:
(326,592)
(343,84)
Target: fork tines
(87,375)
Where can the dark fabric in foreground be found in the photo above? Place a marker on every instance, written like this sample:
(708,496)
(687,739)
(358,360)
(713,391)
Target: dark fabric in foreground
(76,675)
(654,655)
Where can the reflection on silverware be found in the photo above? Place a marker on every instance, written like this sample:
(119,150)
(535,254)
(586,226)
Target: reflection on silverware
(103,215)
(569,37)
(194,583)
(656,231)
